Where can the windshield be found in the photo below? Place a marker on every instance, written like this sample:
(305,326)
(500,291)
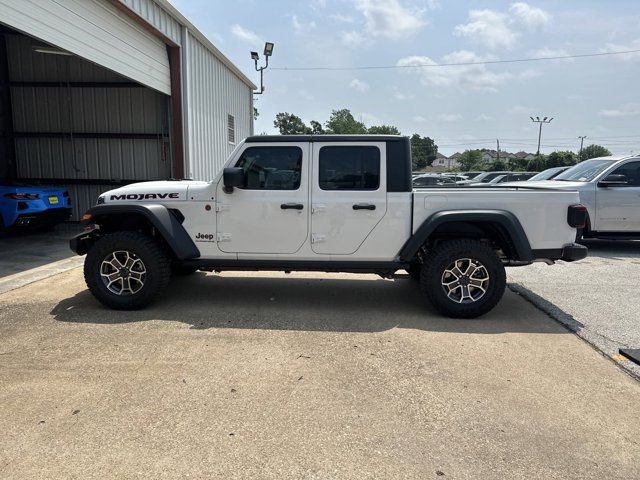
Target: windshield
(547,174)
(585,171)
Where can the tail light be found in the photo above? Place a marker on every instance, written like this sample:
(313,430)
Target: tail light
(22,196)
(577,216)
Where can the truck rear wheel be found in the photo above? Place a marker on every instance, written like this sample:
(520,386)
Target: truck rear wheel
(463,278)
(126,270)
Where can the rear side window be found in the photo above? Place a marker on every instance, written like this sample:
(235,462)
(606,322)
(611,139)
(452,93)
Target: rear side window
(349,168)
(271,168)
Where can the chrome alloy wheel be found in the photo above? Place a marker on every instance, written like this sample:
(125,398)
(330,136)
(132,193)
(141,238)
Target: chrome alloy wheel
(123,272)
(465,280)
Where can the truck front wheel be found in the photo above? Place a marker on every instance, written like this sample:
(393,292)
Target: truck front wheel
(463,278)
(126,270)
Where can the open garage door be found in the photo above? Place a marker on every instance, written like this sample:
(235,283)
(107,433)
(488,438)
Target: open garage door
(97,31)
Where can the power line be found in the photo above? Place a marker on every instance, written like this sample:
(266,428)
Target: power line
(460,64)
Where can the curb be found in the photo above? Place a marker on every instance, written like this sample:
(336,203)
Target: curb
(599,343)
(21,279)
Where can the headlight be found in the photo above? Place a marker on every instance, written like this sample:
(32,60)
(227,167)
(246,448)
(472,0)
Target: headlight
(100,200)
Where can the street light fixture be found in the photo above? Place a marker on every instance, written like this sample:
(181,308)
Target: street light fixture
(268,51)
(537,120)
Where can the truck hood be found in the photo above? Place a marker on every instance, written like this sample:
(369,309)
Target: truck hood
(164,190)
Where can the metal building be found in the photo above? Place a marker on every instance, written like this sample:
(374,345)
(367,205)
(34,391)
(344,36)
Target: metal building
(100,93)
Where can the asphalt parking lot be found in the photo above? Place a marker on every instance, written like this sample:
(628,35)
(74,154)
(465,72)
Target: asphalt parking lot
(302,376)
(597,297)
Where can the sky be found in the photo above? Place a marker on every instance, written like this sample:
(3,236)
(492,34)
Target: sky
(460,107)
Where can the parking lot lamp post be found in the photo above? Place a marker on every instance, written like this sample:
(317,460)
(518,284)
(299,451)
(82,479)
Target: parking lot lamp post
(540,121)
(268,51)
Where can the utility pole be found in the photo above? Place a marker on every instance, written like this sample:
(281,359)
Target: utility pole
(540,121)
(581,142)
(498,149)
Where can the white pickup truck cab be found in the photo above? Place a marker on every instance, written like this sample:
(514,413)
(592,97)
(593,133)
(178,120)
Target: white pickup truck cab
(325,203)
(610,189)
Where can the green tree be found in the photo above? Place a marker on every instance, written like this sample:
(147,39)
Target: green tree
(593,151)
(498,166)
(290,124)
(423,151)
(383,130)
(256,114)
(470,160)
(537,164)
(316,128)
(342,122)
(560,159)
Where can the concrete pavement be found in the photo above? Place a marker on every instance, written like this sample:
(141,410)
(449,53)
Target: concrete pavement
(597,297)
(302,376)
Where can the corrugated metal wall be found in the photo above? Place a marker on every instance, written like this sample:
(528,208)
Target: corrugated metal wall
(47,117)
(158,17)
(213,91)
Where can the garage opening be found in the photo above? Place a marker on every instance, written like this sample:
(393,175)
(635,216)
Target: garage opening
(65,121)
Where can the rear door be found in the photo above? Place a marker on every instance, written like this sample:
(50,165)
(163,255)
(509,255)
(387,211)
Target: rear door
(348,194)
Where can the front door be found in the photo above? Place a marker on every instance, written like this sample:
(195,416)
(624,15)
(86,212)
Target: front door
(349,195)
(618,208)
(269,214)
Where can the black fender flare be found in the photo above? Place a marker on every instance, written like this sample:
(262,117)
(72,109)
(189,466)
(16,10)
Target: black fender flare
(166,224)
(506,220)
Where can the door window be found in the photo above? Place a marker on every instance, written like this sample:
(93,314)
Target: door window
(630,170)
(271,168)
(349,168)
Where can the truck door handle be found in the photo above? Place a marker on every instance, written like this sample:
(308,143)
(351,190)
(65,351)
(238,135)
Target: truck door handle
(291,206)
(364,206)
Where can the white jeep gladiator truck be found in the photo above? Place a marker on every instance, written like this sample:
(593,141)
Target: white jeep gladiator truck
(330,204)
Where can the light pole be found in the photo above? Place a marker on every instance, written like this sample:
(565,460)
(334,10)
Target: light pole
(540,121)
(268,50)
(581,142)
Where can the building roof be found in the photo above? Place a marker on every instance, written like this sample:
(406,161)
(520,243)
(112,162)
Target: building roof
(175,13)
(441,156)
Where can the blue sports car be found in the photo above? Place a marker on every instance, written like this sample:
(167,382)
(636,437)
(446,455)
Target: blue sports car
(33,206)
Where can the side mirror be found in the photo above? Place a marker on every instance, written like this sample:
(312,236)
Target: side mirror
(233,177)
(613,180)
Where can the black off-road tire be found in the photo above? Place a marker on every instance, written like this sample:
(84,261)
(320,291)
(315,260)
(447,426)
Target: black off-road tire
(443,256)
(414,271)
(155,260)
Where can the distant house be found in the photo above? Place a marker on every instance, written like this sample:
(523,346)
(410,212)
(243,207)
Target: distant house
(525,156)
(446,162)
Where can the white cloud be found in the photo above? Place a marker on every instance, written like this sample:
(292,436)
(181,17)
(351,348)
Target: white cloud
(552,52)
(359,85)
(353,38)
(368,118)
(389,18)
(628,110)
(338,17)
(494,29)
(419,119)
(612,47)
(533,18)
(467,77)
(521,110)
(246,35)
(450,117)
(402,95)
(301,27)
(488,28)
(483,118)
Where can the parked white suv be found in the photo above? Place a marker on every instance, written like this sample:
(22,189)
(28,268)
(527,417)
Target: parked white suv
(610,189)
